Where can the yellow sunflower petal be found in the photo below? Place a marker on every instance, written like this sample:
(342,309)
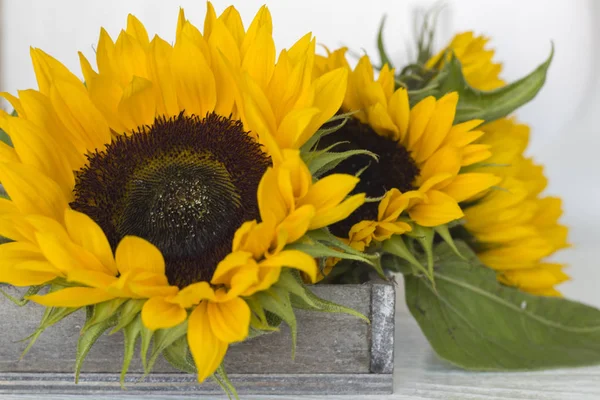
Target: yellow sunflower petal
(329,191)
(193,294)
(338,213)
(31,191)
(206,348)
(438,209)
(292,259)
(229,320)
(16,275)
(134,253)
(194,81)
(160,314)
(137,106)
(87,234)
(72,297)
(465,186)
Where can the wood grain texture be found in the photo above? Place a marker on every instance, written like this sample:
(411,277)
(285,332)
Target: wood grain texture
(420,375)
(327,343)
(333,354)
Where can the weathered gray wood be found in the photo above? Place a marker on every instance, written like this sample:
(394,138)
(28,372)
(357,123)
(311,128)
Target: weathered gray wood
(383,299)
(333,349)
(185,384)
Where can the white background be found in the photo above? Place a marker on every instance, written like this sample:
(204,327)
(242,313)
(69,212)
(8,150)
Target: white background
(565,133)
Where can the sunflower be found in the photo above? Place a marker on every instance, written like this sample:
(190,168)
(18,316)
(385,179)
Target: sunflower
(420,155)
(480,71)
(171,181)
(516,228)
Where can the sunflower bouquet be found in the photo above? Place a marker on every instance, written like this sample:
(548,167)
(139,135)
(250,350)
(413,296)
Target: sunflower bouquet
(191,194)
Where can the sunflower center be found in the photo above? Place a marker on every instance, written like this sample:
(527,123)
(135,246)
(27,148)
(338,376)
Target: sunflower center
(185,184)
(395,168)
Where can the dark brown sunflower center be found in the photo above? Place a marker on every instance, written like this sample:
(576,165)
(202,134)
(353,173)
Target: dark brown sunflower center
(185,184)
(395,168)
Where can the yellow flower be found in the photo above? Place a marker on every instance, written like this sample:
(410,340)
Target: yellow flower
(517,226)
(478,68)
(420,153)
(148,181)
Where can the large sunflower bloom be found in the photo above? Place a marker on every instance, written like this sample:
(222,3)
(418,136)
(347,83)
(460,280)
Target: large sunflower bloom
(421,154)
(148,182)
(516,226)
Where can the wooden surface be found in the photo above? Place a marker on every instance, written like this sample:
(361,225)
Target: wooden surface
(420,375)
(343,338)
(333,354)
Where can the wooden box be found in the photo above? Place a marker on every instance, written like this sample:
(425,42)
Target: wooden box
(336,354)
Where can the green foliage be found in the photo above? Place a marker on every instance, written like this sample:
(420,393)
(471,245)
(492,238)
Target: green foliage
(163,338)
(277,301)
(88,339)
(131,333)
(178,355)
(321,243)
(485,105)
(101,312)
(24,299)
(325,160)
(477,323)
(385,59)
(326,129)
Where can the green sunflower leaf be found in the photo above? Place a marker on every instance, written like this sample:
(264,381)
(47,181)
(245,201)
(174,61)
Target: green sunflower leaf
(277,301)
(490,105)
(261,322)
(147,335)
(324,131)
(163,338)
(23,300)
(226,384)
(444,232)
(383,56)
(178,355)
(88,339)
(324,244)
(102,311)
(475,322)
(130,335)
(325,306)
(325,162)
(127,313)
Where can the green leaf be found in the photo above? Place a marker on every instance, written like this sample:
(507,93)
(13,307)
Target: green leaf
(102,311)
(23,300)
(221,375)
(88,339)
(177,354)
(277,301)
(325,244)
(327,128)
(127,313)
(130,334)
(444,233)
(397,247)
(491,105)
(51,316)
(147,335)
(325,162)
(302,297)
(477,323)
(381,46)
(163,338)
